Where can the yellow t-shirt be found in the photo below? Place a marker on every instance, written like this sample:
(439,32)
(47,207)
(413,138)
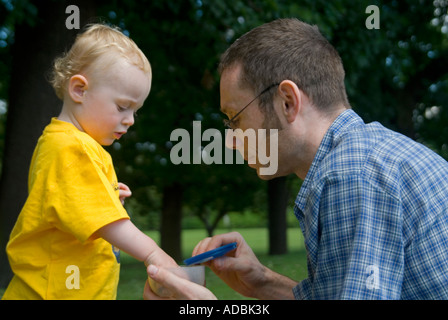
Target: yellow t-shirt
(73,192)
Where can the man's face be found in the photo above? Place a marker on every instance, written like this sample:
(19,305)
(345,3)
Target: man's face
(247,125)
(111,102)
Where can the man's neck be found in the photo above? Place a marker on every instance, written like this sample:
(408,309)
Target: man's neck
(314,129)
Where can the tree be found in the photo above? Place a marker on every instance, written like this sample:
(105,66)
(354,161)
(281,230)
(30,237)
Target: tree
(184,41)
(396,74)
(278,196)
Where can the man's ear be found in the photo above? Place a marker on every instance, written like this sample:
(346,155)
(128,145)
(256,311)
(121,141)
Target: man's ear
(291,99)
(77,86)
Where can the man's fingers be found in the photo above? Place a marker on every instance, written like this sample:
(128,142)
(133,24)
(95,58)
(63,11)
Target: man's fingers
(173,286)
(201,246)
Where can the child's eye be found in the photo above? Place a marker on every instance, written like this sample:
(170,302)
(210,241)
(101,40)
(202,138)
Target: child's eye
(120,108)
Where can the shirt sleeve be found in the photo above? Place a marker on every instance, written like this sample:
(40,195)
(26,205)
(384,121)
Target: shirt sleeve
(358,249)
(83,193)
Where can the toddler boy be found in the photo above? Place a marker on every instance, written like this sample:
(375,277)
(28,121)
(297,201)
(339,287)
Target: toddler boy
(65,243)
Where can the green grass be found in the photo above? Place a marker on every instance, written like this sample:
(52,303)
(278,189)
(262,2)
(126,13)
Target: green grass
(293,264)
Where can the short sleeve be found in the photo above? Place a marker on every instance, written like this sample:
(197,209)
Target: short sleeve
(83,192)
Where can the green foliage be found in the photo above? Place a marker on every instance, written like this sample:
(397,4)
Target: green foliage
(393,75)
(183,42)
(396,75)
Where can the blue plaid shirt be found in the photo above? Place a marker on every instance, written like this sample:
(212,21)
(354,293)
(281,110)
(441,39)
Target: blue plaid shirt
(373,209)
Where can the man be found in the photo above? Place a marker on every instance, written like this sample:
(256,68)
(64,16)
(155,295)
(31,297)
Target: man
(373,206)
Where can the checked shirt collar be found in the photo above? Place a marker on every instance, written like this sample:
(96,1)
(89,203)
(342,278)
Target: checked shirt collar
(343,123)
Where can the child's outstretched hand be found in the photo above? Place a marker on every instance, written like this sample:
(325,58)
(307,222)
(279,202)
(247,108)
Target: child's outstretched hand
(124,191)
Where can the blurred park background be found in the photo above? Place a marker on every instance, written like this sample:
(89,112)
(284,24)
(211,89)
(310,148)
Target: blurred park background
(395,74)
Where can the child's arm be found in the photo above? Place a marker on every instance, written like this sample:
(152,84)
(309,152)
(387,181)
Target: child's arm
(124,235)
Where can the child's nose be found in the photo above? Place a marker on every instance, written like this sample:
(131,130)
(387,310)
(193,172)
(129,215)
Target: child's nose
(129,119)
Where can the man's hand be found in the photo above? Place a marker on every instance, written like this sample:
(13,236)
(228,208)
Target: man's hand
(180,288)
(242,271)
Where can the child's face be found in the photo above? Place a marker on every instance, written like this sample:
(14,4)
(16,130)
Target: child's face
(111,101)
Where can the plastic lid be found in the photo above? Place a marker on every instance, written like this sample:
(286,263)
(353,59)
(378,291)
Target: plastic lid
(210,255)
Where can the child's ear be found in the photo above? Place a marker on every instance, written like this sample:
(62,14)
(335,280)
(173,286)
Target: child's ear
(77,86)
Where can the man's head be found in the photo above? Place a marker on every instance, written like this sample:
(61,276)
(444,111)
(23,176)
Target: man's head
(288,49)
(297,78)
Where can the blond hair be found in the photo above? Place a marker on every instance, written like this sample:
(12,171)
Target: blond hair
(97,41)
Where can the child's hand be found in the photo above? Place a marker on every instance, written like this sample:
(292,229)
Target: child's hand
(124,191)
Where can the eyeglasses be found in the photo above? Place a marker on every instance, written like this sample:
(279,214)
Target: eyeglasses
(230,123)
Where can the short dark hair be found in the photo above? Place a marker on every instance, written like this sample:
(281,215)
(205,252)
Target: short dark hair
(289,49)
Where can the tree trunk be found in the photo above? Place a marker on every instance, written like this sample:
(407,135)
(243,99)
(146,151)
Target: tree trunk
(171,221)
(277,203)
(32,103)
